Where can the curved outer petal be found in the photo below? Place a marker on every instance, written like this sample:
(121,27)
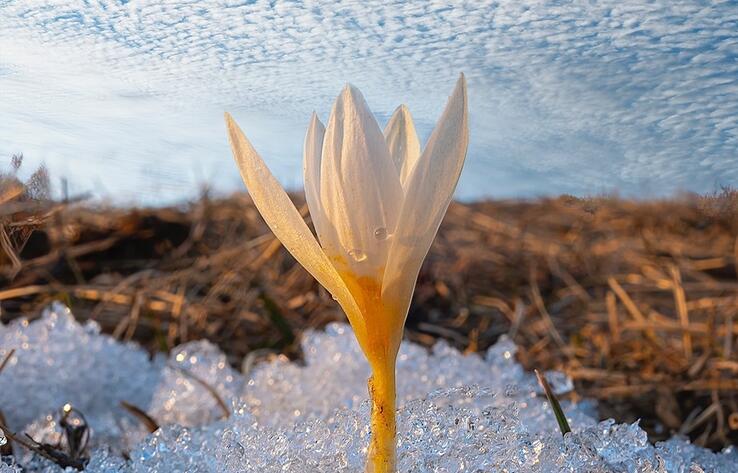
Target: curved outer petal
(311,175)
(428,193)
(402,140)
(360,189)
(285,221)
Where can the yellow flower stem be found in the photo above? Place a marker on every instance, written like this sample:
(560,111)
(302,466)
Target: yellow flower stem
(381,458)
(380,340)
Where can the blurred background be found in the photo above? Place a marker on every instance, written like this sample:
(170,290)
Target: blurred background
(596,220)
(125,99)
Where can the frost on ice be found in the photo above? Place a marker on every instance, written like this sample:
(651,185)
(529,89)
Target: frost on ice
(458,413)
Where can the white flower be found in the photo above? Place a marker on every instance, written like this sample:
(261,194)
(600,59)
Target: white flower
(376,203)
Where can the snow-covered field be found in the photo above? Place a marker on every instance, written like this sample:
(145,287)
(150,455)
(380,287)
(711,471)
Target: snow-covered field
(458,413)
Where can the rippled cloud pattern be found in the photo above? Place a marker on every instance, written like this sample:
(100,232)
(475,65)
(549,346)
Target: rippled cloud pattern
(126,98)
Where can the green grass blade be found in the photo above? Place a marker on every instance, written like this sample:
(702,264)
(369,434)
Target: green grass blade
(555,406)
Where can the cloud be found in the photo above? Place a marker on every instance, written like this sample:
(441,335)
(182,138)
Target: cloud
(580,97)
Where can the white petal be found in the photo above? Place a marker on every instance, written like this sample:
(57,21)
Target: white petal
(402,140)
(428,193)
(359,189)
(285,221)
(311,175)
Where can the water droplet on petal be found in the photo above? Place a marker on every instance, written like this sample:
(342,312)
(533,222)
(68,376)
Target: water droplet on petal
(357,255)
(380,233)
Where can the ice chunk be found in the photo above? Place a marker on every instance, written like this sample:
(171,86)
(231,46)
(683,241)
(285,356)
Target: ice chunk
(103,460)
(448,431)
(680,456)
(177,449)
(10,468)
(335,374)
(57,361)
(112,431)
(183,395)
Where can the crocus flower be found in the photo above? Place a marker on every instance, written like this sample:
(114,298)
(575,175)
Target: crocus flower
(376,203)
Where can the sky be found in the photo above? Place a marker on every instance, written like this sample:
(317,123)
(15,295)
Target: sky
(125,99)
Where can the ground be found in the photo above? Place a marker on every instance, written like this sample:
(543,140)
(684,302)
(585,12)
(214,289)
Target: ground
(635,301)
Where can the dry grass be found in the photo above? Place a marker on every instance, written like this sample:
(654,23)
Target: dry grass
(636,301)
(23,207)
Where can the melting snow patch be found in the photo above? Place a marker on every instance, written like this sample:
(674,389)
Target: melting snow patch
(458,413)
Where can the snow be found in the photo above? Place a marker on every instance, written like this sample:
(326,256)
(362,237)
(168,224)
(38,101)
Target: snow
(458,413)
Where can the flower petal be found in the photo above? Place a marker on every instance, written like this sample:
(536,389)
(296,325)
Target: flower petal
(428,193)
(402,140)
(311,175)
(360,189)
(285,221)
